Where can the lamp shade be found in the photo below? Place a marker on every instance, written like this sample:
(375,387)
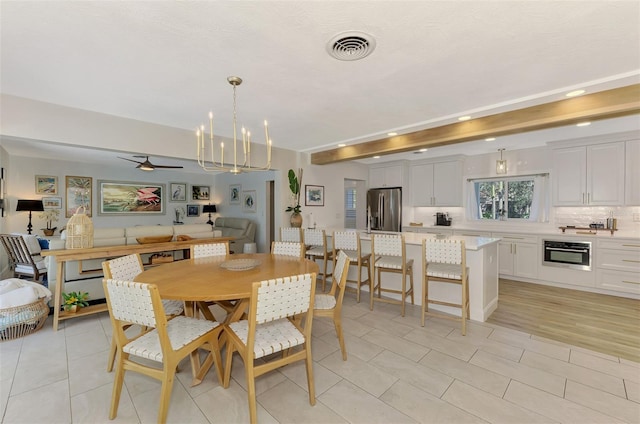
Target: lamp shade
(30,205)
(209,209)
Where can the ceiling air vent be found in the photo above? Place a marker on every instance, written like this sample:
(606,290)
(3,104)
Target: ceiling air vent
(351,45)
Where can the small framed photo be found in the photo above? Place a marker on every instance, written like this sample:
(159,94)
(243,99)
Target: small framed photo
(193,210)
(249,201)
(199,192)
(234,194)
(52,202)
(313,195)
(46,184)
(177,192)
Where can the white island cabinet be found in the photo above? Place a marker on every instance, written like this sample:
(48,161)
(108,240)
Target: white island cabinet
(482,260)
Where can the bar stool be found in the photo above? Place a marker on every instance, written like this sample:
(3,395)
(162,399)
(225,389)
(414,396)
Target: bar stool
(389,252)
(444,261)
(349,242)
(292,234)
(316,242)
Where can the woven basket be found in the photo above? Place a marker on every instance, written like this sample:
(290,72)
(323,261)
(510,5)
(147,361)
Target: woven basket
(22,320)
(79,231)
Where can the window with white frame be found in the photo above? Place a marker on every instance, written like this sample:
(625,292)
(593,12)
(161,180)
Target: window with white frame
(519,198)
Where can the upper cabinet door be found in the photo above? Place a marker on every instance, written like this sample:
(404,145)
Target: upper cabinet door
(632,167)
(605,174)
(569,176)
(422,185)
(447,183)
(589,175)
(386,176)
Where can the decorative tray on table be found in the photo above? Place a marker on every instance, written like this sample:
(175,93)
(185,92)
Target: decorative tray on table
(240,264)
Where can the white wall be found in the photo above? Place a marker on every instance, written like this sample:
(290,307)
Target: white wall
(21,185)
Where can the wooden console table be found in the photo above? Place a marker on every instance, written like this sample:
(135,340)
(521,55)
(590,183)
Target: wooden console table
(62,256)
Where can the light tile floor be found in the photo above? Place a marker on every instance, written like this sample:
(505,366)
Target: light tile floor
(396,372)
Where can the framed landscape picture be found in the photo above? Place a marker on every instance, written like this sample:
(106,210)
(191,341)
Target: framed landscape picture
(46,184)
(52,202)
(199,192)
(77,193)
(234,194)
(249,201)
(130,198)
(193,210)
(314,195)
(177,192)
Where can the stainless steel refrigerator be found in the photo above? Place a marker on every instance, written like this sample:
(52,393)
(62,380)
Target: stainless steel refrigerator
(384,208)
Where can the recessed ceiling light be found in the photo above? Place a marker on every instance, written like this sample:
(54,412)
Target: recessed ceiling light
(575,93)
(464,118)
(341,145)
(423,150)
(583,124)
(391,134)
(376,157)
(490,139)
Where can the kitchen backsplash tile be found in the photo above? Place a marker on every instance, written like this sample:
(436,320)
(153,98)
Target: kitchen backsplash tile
(584,216)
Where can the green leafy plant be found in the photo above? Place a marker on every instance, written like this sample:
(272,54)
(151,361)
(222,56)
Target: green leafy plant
(295,182)
(75,299)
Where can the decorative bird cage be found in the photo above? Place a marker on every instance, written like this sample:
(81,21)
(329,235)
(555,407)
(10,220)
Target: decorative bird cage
(79,231)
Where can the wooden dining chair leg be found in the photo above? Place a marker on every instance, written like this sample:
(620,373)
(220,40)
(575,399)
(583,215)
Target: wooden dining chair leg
(117,390)
(251,393)
(425,296)
(112,353)
(338,325)
(404,291)
(165,394)
(310,382)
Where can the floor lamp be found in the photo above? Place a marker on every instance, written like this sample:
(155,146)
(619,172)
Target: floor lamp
(30,205)
(209,209)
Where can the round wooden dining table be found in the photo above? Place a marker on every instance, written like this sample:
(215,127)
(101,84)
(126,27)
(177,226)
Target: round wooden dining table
(222,278)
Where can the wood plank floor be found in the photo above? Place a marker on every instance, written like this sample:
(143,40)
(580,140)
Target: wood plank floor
(606,324)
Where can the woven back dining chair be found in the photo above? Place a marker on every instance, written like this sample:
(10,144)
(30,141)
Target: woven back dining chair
(164,342)
(330,306)
(127,268)
(349,243)
(316,244)
(285,248)
(271,328)
(389,252)
(291,234)
(209,249)
(445,261)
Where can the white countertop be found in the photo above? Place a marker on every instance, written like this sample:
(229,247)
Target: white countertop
(538,230)
(471,243)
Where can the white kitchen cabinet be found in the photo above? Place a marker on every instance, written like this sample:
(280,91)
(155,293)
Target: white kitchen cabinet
(517,255)
(618,266)
(589,175)
(443,231)
(632,173)
(386,176)
(436,184)
(472,233)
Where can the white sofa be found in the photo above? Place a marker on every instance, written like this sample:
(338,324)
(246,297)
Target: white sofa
(86,275)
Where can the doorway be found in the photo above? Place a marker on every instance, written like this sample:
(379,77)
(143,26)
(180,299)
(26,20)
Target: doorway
(354,200)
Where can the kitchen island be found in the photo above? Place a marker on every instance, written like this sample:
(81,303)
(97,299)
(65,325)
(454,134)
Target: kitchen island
(482,260)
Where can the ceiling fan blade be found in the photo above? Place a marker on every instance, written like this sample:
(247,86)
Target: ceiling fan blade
(167,166)
(130,160)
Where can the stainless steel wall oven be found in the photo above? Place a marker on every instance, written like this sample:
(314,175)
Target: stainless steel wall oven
(567,254)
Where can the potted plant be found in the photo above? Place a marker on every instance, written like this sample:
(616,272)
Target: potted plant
(73,301)
(295,182)
(51,216)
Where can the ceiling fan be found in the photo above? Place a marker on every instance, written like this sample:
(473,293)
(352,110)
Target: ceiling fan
(148,166)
